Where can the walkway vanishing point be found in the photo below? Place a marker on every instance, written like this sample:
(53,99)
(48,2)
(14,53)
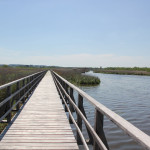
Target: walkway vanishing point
(41,123)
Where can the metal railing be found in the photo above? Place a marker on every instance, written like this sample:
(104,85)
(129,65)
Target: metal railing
(96,135)
(15,92)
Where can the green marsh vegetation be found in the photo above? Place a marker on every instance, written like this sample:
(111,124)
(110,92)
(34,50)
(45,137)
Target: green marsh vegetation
(75,76)
(124,70)
(8,74)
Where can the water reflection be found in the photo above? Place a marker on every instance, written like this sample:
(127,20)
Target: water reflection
(128,96)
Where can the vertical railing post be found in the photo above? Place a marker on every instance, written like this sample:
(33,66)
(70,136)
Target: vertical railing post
(57,87)
(63,95)
(18,96)
(81,107)
(23,84)
(99,122)
(28,87)
(70,105)
(63,85)
(66,89)
(33,77)
(66,98)
(79,119)
(36,80)
(72,97)
(61,82)
(30,84)
(8,104)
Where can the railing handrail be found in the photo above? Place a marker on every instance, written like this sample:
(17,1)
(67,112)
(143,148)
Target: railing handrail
(138,135)
(15,81)
(15,93)
(15,104)
(87,124)
(23,88)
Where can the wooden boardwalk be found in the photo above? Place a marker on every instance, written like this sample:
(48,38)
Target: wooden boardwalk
(42,123)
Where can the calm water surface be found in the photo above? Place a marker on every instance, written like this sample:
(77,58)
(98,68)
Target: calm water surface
(128,96)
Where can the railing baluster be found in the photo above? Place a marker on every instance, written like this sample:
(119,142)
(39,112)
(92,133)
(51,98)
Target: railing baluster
(34,82)
(28,86)
(70,105)
(63,84)
(99,122)
(79,119)
(66,99)
(23,84)
(83,112)
(62,96)
(18,96)
(97,135)
(8,104)
(22,89)
(72,97)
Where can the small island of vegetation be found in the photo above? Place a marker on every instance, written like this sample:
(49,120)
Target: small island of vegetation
(75,76)
(11,73)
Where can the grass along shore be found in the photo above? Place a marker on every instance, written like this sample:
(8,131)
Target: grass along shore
(124,70)
(8,74)
(76,77)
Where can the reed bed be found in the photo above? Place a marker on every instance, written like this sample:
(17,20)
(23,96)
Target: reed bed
(76,76)
(124,71)
(8,74)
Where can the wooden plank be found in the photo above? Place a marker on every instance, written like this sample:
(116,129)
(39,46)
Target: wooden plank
(135,133)
(37,148)
(56,137)
(42,124)
(40,141)
(39,144)
(34,135)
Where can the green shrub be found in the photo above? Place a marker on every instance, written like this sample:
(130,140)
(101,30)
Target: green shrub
(74,76)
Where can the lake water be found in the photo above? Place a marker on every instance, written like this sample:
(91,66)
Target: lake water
(128,96)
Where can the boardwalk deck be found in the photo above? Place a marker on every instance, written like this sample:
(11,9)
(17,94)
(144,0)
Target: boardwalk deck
(42,124)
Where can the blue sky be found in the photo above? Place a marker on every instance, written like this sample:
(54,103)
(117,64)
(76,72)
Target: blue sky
(75,32)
